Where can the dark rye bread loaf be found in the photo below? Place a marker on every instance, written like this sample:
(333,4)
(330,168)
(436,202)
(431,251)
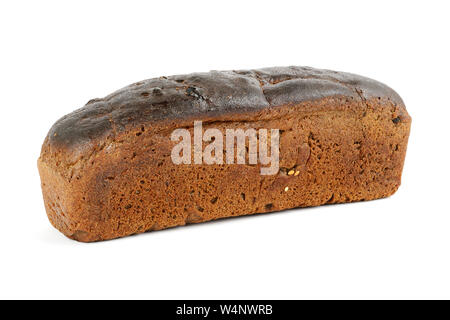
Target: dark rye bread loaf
(106,169)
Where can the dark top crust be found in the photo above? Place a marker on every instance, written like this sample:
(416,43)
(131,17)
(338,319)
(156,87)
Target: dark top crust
(209,94)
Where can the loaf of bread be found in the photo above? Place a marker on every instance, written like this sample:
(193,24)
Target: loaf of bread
(108,170)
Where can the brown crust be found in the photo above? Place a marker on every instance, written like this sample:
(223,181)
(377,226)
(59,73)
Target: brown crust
(106,169)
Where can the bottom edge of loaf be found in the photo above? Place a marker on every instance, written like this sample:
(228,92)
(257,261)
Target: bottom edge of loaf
(89,237)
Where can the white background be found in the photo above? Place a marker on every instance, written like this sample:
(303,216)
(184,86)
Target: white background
(56,55)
